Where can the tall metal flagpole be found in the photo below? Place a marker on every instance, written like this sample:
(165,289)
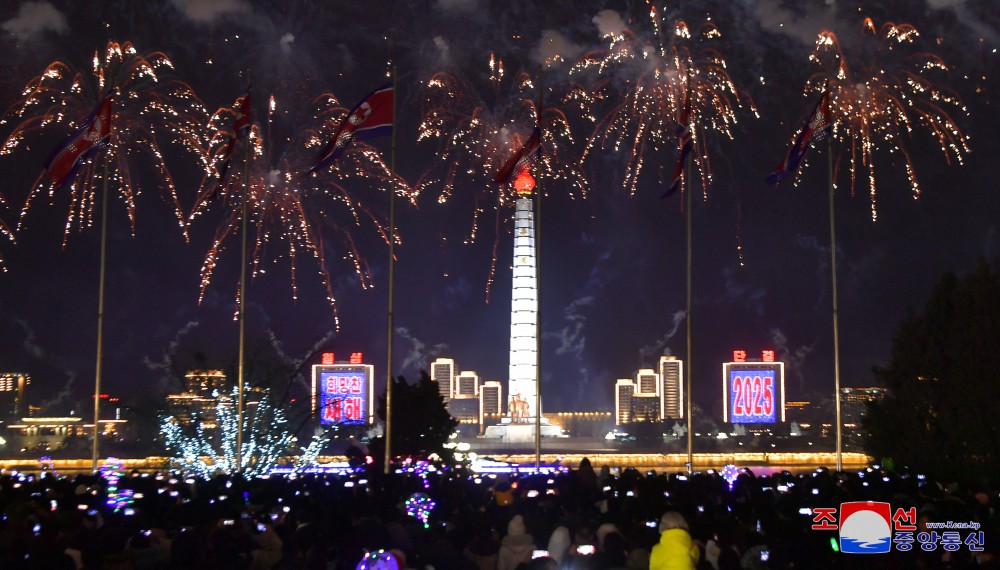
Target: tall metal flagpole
(538,298)
(687,320)
(100,312)
(833,277)
(392,276)
(244,199)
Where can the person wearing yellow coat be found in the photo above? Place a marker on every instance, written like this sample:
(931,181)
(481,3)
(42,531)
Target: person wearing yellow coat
(676,550)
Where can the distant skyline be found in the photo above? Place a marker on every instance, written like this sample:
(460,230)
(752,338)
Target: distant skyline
(612,291)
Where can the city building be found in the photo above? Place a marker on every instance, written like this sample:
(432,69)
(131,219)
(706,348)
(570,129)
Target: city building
(490,400)
(31,433)
(653,395)
(12,386)
(645,408)
(753,390)
(205,382)
(854,403)
(594,424)
(672,402)
(624,391)
(466,384)
(464,405)
(648,382)
(202,389)
(443,372)
(343,393)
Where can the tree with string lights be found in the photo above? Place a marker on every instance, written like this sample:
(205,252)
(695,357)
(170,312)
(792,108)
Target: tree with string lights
(206,445)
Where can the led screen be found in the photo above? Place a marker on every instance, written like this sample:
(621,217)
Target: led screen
(753,396)
(342,396)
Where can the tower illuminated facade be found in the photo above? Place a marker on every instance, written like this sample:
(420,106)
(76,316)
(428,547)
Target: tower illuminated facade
(522,389)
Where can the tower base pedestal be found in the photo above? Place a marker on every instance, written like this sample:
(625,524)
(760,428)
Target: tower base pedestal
(521,432)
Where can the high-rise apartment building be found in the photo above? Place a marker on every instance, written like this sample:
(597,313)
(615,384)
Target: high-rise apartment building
(443,372)
(624,391)
(490,398)
(647,381)
(671,372)
(466,384)
(12,385)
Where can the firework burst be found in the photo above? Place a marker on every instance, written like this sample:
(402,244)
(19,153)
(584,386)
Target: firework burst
(151,112)
(285,203)
(880,92)
(640,88)
(477,130)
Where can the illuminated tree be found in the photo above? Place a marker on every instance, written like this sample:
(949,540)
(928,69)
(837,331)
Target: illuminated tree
(206,444)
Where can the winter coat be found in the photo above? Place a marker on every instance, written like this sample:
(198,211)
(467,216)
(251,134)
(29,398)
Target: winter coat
(675,551)
(514,549)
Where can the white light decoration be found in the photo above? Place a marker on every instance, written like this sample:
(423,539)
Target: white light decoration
(205,452)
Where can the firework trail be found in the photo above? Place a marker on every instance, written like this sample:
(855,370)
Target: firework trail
(5,231)
(285,203)
(151,113)
(477,130)
(641,85)
(880,92)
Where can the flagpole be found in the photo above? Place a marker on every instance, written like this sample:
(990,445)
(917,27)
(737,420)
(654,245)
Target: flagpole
(687,321)
(100,312)
(833,277)
(245,197)
(392,276)
(538,297)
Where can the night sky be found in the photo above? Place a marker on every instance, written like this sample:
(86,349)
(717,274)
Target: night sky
(613,266)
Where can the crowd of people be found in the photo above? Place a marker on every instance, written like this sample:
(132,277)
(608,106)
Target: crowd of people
(585,518)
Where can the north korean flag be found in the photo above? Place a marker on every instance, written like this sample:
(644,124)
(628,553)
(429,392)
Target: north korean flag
(817,127)
(92,135)
(372,117)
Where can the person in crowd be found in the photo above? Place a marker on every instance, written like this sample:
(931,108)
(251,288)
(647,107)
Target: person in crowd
(483,550)
(516,547)
(675,550)
(332,521)
(559,544)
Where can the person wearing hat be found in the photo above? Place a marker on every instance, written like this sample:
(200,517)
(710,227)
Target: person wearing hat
(676,550)
(516,547)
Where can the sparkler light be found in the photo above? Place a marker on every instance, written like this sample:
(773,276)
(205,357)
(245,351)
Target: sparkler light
(881,91)
(286,203)
(152,113)
(641,85)
(477,126)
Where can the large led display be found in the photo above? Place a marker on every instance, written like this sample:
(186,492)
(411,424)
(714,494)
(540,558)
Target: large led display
(343,394)
(753,393)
